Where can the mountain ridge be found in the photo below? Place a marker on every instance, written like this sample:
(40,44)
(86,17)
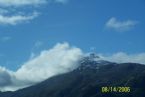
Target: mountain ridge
(87,81)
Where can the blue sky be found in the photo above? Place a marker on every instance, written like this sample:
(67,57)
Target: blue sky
(109,26)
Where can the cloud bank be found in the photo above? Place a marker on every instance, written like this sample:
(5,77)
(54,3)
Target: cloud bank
(122,57)
(120,26)
(60,59)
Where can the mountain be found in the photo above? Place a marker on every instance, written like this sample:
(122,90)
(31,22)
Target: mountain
(88,79)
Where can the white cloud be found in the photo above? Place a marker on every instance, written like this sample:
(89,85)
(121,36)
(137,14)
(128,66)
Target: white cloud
(20,2)
(13,20)
(8,6)
(121,26)
(122,57)
(60,59)
(62,56)
(11,6)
